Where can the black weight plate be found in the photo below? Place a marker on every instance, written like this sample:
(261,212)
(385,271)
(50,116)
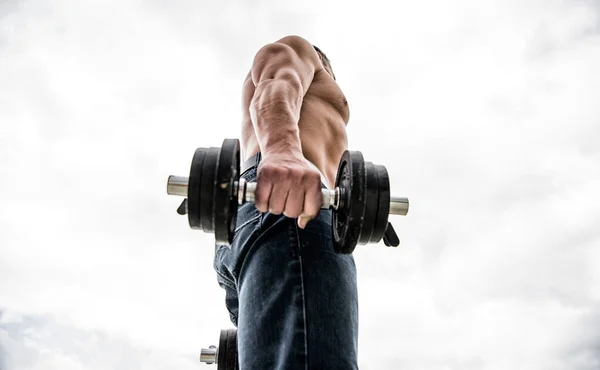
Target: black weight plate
(348,218)
(207,195)
(227,353)
(194,184)
(383,210)
(231,354)
(371,203)
(225,199)
(222,350)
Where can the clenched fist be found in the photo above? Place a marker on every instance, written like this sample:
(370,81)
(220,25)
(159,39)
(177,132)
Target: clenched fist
(289,184)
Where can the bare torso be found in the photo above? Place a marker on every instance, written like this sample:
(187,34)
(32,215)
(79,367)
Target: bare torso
(322,125)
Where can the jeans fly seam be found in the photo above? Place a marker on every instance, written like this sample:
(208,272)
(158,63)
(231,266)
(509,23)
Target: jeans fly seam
(303,299)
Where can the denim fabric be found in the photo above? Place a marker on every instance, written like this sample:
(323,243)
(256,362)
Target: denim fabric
(293,299)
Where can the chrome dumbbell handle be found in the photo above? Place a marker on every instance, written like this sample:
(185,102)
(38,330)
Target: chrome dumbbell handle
(178,185)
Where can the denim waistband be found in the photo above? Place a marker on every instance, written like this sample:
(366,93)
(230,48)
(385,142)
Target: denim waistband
(250,163)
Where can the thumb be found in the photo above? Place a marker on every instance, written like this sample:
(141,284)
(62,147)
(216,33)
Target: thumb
(302,221)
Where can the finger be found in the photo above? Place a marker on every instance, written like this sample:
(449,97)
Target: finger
(294,203)
(262,194)
(277,200)
(303,220)
(313,199)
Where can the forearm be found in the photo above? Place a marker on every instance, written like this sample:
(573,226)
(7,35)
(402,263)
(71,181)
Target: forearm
(275,111)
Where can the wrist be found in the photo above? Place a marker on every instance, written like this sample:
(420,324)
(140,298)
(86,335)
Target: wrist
(288,147)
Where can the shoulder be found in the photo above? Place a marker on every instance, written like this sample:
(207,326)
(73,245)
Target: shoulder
(289,53)
(294,46)
(297,43)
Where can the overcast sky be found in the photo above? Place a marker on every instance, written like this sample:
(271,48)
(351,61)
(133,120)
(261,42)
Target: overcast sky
(485,113)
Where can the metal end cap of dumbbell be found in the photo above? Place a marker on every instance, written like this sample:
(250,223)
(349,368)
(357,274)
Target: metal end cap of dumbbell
(209,355)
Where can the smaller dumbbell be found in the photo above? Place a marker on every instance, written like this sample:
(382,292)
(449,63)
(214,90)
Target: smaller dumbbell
(209,355)
(226,355)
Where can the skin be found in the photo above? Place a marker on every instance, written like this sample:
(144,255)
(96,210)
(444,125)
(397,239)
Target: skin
(295,114)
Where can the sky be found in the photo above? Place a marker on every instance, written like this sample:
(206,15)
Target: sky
(484,113)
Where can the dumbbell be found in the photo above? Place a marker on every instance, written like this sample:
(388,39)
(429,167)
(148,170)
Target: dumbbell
(226,355)
(360,202)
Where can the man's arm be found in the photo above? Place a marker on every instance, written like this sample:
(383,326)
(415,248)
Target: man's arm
(282,73)
(286,181)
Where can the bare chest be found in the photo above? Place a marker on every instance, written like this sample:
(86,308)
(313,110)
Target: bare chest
(326,94)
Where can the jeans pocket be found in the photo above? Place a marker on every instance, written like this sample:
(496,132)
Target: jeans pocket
(247,227)
(247,215)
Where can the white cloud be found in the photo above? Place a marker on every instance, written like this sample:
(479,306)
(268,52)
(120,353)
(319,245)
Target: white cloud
(41,342)
(484,113)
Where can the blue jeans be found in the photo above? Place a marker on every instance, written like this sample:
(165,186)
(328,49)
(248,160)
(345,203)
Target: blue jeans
(293,300)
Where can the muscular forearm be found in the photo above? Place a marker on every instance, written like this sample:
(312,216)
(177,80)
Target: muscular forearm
(275,111)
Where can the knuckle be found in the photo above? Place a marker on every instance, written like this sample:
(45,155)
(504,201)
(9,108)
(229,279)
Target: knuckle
(269,171)
(296,176)
(276,206)
(260,194)
(281,176)
(292,213)
(283,171)
(309,180)
(310,175)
